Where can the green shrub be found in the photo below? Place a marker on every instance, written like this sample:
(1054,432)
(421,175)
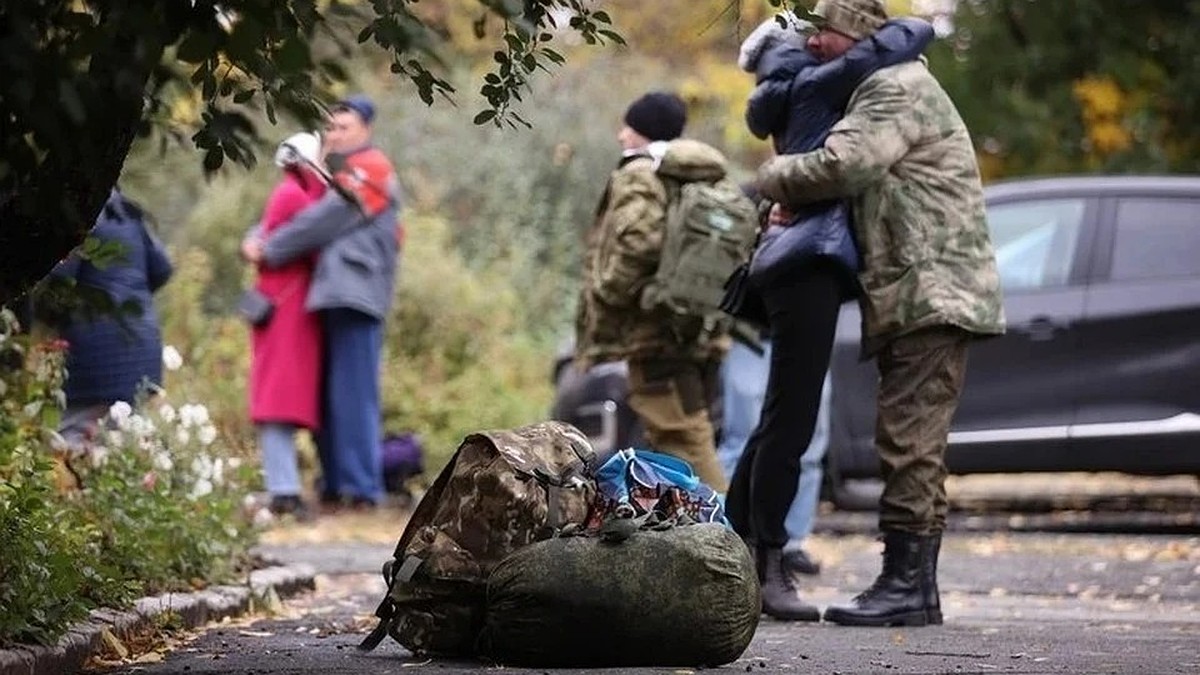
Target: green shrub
(165,507)
(150,505)
(457,358)
(43,568)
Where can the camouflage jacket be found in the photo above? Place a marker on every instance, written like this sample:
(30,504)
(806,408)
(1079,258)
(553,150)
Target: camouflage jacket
(904,158)
(624,245)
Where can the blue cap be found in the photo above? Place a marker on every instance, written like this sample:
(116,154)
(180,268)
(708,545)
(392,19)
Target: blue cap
(359,103)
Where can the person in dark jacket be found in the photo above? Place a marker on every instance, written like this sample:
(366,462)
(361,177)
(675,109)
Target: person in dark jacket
(113,358)
(804,268)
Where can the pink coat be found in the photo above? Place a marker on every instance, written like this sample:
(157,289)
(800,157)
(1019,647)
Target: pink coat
(285,374)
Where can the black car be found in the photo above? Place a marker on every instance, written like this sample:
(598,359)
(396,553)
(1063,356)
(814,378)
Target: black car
(1099,369)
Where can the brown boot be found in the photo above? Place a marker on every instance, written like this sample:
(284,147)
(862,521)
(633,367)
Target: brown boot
(780,597)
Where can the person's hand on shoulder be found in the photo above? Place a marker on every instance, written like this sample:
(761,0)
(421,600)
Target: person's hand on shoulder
(252,249)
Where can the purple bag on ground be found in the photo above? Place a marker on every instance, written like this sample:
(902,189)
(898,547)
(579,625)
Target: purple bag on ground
(403,458)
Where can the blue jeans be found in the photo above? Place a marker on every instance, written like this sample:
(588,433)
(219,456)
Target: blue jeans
(281,472)
(349,442)
(744,385)
(743,388)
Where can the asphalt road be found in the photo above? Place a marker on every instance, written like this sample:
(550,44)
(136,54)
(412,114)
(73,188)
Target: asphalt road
(1014,603)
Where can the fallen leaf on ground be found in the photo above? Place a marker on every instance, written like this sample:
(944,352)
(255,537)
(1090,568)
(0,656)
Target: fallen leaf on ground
(113,643)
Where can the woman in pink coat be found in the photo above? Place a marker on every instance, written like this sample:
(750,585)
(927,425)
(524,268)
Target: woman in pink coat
(286,368)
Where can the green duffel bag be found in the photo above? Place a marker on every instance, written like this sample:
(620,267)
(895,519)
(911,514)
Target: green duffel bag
(684,595)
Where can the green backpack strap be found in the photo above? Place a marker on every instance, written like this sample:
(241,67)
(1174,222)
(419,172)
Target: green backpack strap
(387,608)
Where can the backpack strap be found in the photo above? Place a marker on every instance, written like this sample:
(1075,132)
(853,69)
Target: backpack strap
(386,610)
(381,629)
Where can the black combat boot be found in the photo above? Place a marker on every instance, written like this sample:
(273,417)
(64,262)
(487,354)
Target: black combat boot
(903,593)
(932,545)
(779,596)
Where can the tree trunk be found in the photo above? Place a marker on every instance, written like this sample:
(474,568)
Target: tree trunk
(42,225)
(57,204)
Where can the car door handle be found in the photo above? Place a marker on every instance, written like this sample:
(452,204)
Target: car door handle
(1041,328)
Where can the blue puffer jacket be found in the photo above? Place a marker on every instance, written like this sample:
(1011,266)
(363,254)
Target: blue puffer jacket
(108,359)
(797,101)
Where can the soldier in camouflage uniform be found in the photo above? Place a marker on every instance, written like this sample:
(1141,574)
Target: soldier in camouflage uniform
(672,377)
(904,158)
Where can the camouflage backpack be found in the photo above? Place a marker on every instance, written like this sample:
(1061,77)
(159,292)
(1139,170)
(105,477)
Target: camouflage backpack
(501,491)
(711,229)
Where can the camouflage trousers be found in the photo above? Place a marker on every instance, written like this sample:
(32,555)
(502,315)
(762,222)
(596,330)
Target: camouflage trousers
(920,379)
(672,397)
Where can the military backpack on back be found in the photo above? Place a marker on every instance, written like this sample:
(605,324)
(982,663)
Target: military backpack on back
(710,230)
(502,491)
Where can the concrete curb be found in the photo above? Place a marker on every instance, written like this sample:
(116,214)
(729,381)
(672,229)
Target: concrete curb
(194,609)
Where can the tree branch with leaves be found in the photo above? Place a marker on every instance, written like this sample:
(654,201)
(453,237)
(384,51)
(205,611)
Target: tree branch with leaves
(84,78)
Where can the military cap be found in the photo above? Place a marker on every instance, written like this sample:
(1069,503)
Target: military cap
(853,18)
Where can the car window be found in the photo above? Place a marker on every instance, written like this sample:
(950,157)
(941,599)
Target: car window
(1156,239)
(1035,241)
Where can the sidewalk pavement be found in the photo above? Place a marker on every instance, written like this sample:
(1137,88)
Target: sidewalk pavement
(1014,603)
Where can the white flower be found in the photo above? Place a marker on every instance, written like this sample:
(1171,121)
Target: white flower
(116,438)
(33,409)
(120,412)
(235,463)
(202,466)
(193,415)
(207,434)
(172,360)
(201,488)
(183,435)
(140,425)
(99,455)
(218,472)
(162,461)
(166,412)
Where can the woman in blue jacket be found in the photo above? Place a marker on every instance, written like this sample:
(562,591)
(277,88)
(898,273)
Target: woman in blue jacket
(109,358)
(804,268)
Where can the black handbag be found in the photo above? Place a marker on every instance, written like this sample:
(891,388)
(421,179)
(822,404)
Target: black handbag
(255,307)
(820,230)
(742,299)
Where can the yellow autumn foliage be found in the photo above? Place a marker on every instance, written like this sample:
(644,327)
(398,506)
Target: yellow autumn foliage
(1104,107)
